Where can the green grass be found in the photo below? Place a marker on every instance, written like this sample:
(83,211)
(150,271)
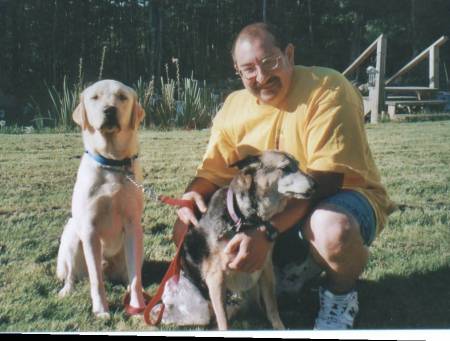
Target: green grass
(404,286)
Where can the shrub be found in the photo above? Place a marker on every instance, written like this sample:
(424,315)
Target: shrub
(181,103)
(63,103)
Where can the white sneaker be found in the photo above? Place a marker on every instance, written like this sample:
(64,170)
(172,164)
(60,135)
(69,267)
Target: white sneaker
(336,311)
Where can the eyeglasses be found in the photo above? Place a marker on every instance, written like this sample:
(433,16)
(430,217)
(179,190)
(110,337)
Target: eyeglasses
(266,64)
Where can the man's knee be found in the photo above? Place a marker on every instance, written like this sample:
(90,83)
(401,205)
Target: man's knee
(332,232)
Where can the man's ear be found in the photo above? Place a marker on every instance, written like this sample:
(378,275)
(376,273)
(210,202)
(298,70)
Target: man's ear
(80,116)
(290,52)
(137,114)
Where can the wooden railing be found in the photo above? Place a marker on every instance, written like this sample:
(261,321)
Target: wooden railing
(375,102)
(432,53)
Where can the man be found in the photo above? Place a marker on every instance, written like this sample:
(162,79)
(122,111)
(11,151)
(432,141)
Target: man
(316,115)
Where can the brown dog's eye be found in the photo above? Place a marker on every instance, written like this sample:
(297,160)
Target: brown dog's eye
(289,168)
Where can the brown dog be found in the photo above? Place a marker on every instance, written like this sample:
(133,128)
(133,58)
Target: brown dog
(260,190)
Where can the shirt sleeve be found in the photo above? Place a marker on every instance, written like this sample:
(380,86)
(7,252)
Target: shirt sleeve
(220,152)
(335,138)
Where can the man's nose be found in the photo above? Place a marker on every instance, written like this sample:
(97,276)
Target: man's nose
(261,74)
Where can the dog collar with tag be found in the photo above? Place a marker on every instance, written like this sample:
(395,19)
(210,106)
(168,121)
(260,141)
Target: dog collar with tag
(111,162)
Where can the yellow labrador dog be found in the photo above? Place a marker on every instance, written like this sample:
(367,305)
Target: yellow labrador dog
(104,234)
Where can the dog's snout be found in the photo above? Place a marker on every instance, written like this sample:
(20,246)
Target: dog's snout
(310,191)
(110,111)
(110,120)
(312,187)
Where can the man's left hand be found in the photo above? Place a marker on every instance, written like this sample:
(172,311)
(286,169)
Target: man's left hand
(248,251)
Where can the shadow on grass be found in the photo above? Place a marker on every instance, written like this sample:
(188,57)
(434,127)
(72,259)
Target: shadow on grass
(153,272)
(417,301)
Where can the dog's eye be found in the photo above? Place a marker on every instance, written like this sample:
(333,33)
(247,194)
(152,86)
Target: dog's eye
(290,168)
(95,97)
(122,97)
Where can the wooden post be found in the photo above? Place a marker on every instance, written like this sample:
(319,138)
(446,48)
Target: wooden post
(375,101)
(376,94)
(434,67)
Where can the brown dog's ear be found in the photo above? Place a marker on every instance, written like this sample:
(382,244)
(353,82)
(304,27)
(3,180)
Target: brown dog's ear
(252,160)
(137,115)
(80,116)
(242,182)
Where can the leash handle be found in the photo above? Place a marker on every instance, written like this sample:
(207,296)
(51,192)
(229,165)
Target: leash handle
(176,202)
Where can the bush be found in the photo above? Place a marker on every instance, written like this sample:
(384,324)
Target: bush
(63,104)
(175,103)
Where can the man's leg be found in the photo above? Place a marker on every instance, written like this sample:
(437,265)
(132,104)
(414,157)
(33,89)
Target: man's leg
(337,246)
(339,231)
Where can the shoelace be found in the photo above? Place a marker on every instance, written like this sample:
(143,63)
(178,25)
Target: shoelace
(333,310)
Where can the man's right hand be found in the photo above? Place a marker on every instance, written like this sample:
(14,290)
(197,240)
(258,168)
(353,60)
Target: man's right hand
(199,191)
(186,215)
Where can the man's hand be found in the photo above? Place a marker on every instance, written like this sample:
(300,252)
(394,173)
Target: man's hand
(248,251)
(186,215)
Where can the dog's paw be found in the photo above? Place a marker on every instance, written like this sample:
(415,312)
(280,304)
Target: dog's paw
(102,315)
(278,325)
(65,291)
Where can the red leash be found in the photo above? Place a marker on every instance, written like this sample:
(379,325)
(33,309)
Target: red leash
(173,270)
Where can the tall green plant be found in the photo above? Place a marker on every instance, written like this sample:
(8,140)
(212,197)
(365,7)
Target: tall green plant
(165,111)
(180,102)
(189,106)
(63,103)
(146,96)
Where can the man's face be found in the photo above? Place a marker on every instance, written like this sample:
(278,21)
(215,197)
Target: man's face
(265,70)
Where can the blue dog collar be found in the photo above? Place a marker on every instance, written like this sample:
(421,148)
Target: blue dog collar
(110,162)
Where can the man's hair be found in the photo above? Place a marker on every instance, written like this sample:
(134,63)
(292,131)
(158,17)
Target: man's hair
(260,30)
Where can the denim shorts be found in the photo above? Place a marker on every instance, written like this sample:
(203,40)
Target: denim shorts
(357,206)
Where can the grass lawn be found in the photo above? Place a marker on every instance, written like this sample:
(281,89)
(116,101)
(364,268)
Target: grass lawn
(405,285)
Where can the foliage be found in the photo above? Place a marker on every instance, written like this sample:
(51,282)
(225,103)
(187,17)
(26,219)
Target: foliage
(182,103)
(63,104)
(176,102)
(146,95)
(42,41)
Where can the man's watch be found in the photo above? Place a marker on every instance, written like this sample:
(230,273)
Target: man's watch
(270,231)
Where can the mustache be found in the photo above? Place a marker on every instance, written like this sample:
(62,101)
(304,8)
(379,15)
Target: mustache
(271,80)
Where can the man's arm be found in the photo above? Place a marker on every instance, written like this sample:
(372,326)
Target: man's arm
(203,187)
(200,191)
(328,183)
(248,251)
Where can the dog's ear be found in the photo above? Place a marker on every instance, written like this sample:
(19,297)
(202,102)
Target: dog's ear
(242,182)
(137,115)
(79,115)
(252,160)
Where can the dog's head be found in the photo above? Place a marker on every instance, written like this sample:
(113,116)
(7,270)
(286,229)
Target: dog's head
(108,107)
(269,180)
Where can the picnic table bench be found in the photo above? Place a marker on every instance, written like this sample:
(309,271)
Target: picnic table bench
(408,103)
